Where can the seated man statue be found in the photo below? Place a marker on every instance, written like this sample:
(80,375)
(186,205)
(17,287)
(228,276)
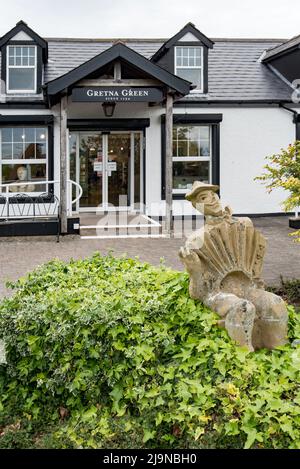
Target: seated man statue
(224,260)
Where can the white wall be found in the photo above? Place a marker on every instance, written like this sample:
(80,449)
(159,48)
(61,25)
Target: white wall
(247,135)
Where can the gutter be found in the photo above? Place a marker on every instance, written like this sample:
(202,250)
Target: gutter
(296,119)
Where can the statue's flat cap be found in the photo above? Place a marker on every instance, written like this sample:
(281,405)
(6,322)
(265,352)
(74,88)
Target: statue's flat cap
(199,186)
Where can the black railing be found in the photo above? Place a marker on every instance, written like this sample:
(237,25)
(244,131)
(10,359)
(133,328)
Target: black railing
(22,207)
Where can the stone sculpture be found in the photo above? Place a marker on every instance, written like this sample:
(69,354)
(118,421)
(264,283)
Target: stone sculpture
(224,260)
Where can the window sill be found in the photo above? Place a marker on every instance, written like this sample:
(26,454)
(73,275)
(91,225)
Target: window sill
(27,101)
(20,92)
(22,96)
(196,91)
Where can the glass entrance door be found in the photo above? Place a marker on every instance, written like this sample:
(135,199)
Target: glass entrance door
(91,169)
(108,167)
(118,169)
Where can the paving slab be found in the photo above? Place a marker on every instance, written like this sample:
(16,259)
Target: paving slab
(21,255)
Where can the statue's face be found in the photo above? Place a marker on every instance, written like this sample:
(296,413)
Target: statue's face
(210,203)
(22,173)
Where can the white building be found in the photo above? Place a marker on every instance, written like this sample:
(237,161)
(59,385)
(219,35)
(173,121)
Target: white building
(93,111)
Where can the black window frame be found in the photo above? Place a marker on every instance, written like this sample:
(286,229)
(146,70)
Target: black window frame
(41,56)
(204,63)
(39,68)
(193,119)
(36,121)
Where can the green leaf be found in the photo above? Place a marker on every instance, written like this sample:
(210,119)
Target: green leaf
(198,432)
(89,414)
(148,435)
(252,436)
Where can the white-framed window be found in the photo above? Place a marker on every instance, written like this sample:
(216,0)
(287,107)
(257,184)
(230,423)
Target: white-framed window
(24,158)
(191,156)
(189,64)
(21,73)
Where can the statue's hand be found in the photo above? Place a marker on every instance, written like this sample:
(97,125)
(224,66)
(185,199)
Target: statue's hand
(190,259)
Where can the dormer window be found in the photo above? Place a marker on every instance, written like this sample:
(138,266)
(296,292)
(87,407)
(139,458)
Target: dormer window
(189,64)
(186,55)
(23,56)
(21,69)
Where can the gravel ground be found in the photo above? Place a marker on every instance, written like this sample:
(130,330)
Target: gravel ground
(21,255)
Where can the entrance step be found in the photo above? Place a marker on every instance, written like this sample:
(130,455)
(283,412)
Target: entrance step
(122,231)
(124,236)
(119,225)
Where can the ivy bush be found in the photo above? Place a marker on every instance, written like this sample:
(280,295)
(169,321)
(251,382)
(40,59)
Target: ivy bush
(113,353)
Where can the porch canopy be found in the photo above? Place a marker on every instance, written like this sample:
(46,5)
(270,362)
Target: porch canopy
(118,74)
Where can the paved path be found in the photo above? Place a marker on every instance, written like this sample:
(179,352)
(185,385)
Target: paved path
(21,255)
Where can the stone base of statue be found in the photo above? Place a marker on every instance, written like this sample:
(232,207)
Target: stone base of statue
(224,260)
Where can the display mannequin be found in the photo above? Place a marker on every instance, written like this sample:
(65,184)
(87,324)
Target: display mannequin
(22,173)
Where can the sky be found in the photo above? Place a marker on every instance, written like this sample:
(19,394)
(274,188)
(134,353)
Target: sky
(154,18)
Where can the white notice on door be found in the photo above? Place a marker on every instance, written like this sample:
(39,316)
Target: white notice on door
(111,166)
(98,166)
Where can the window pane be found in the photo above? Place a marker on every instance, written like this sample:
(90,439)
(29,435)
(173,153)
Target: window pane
(194,148)
(11,51)
(174,148)
(137,169)
(204,148)
(194,132)
(197,61)
(41,134)
(182,148)
(24,173)
(27,144)
(6,151)
(190,74)
(18,134)
(31,51)
(204,132)
(18,151)
(6,134)
(184,174)
(21,79)
(29,133)
(193,141)
(18,51)
(29,151)
(41,150)
(72,159)
(182,133)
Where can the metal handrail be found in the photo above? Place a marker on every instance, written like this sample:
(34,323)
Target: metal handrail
(80,191)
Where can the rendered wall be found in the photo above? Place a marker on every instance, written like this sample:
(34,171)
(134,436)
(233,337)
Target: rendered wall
(247,135)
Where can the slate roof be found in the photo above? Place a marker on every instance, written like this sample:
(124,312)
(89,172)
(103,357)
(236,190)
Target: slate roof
(64,55)
(235,71)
